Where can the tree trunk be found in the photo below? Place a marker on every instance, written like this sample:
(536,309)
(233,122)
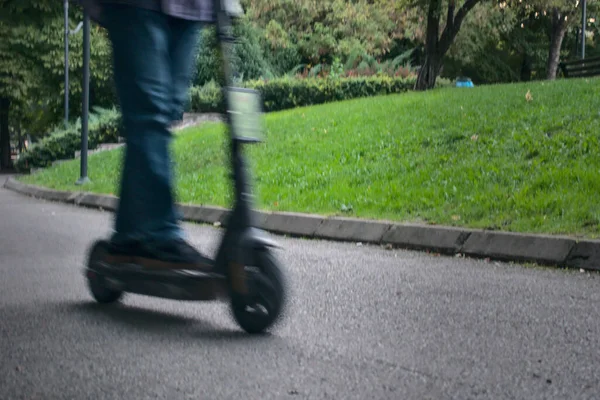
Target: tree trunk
(436,46)
(428,72)
(5,159)
(557,34)
(526,68)
(20,139)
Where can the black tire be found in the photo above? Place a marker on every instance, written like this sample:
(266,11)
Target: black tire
(100,291)
(268,290)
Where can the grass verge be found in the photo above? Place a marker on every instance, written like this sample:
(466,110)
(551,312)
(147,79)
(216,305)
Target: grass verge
(520,157)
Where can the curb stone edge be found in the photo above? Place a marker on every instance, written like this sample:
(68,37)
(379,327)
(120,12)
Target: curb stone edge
(561,251)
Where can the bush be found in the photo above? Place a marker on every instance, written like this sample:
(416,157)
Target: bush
(248,57)
(104,126)
(285,93)
(208,64)
(207,98)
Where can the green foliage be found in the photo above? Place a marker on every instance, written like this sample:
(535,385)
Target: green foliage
(284,93)
(32,63)
(323,30)
(482,158)
(512,42)
(248,59)
(208,64)
(104,126)
(280,51)
(482,49)
(207,98)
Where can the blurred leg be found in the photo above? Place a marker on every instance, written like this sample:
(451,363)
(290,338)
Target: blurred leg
(183,50)
(143,59)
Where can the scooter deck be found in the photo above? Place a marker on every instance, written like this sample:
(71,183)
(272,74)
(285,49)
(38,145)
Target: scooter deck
(189,285)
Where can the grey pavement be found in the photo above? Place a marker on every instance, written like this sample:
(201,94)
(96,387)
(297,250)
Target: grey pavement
(365,323)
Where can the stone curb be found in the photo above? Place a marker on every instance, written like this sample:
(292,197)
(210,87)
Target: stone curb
(505,246)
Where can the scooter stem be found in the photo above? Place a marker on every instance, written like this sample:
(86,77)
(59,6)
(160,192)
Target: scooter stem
(242,215)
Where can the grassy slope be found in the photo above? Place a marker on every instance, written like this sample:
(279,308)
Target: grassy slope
(483,157)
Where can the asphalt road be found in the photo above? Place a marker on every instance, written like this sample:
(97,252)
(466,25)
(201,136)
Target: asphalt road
(365,323)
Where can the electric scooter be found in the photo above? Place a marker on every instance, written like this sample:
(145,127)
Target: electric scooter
(245,272)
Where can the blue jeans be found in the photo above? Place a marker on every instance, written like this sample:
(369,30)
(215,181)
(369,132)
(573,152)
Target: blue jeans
(154,57)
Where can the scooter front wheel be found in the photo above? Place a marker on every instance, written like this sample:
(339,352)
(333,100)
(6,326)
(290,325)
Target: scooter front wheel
(264,305)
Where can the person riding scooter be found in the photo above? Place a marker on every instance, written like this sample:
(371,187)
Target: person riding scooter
(154,45)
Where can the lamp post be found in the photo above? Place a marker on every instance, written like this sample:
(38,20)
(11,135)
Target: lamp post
(66,7)
(83,178)
(67,33)
(583,26)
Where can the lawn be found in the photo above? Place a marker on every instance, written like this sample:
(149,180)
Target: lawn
(489,157)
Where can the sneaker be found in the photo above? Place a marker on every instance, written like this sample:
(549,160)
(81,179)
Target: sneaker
(172,254)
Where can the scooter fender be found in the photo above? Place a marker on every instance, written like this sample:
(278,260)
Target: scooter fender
(257,239)
(249,243)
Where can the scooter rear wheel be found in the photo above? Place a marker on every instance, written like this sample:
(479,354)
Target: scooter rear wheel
(96,282)
(264,306)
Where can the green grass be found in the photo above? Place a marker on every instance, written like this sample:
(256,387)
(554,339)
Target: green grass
(483,157)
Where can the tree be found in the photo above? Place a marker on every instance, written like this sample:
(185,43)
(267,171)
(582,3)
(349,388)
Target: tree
(32,67)
(559,19)
(16,65)
(326,29)
(563,15)
(486,49)
(557,16)
(436,44)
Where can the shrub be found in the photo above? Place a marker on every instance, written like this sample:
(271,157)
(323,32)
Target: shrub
(208,65)
(247,59)
(207,98)
(104,126)
(285,93)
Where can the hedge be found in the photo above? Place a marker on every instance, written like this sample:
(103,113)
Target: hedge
(104,126)
(285,93)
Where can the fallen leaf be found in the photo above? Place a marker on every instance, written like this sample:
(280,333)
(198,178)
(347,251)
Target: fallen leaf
(474,138)
(455,217)
(528,95)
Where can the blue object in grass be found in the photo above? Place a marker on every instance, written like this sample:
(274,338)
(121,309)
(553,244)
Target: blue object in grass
(464,82)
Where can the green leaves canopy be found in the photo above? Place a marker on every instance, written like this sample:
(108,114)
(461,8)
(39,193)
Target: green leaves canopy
(32,62)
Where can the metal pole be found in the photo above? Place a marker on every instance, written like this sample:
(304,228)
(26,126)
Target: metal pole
(583,26)
(66,6)
(86,98)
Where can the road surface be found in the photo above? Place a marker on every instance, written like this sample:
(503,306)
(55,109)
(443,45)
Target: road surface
(365,323)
